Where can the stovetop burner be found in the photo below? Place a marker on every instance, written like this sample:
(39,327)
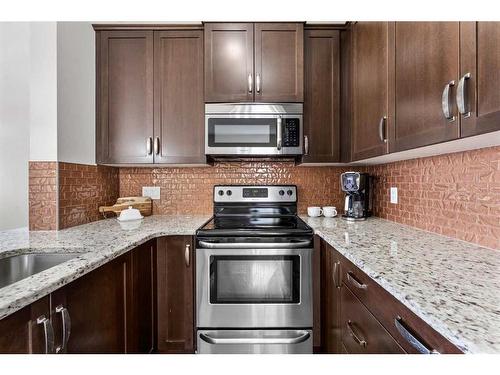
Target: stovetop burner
(255,211)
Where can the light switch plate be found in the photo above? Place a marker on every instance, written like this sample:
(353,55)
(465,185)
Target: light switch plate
(151,191)
(394,195)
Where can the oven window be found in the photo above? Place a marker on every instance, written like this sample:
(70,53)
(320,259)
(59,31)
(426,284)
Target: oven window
(254,279)
(242,132)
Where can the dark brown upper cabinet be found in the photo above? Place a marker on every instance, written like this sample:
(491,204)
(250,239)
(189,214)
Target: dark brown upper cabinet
(175,294)
(372,93)
(321,95)
(125,96)
(279,62)
(179,105)
(478,96)
(229,62)
(247,62)
(150,97)
(426,70)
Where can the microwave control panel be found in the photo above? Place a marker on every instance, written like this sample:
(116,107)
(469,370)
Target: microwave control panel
(291,132)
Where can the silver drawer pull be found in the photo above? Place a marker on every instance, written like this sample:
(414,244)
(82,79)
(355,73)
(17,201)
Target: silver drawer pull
(250,83)
(381,129)
(187,252)
(352,279)
(412,340)
(301,337)
(149,145)
(445,102)
(462,95)
(48,331)
(306,145)
(66,325)
(254,245)
(356,337)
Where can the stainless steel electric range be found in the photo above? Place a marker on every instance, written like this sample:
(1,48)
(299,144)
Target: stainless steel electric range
(254,273)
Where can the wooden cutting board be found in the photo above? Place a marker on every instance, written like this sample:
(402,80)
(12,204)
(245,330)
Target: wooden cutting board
(143,204)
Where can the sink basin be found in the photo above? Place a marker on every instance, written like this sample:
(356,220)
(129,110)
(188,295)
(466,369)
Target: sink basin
(18,267)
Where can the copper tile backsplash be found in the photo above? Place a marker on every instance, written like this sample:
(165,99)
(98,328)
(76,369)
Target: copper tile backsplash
(42,195)
(456,195)
(189,190)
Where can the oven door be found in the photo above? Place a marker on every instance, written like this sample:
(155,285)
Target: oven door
(254,288)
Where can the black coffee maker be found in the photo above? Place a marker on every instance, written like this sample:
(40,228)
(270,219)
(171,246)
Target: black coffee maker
(358,202)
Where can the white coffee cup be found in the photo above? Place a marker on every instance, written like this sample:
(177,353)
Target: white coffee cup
(329,211)
(314,211)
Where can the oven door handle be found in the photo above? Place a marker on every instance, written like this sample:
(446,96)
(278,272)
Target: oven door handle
(303,336)
(254,245)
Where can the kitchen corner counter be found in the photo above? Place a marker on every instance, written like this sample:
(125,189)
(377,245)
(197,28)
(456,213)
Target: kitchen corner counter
(95,244)
(452,285)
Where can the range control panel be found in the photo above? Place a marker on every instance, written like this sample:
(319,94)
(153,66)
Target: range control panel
(291,132)
(239,193)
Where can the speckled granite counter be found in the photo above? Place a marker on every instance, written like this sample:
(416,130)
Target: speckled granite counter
(95,243)
(452,285)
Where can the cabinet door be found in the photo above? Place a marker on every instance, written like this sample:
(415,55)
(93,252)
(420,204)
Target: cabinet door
(23,331)
(179,105)
(331,282)
(361,332)
(321,96)
(175,294)
(125,97)
(372,94)
(228,62)
(97,305)
(480,58)
(426,61)
(279,62)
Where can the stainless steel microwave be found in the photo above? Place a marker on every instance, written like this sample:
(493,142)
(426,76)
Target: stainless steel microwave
(253,129)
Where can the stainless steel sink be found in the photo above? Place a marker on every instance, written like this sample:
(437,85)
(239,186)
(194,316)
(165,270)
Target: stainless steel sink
(18,267)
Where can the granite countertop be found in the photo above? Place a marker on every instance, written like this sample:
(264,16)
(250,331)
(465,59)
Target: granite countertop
(452,285)
(94,244)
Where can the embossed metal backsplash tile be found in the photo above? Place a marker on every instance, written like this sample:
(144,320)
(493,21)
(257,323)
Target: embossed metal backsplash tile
(42,195)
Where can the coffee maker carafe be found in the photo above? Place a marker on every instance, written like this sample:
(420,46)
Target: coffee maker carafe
(357,186)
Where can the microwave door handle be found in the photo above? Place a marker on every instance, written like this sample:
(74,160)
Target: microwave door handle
(254,245)
(301,337)
(279,134)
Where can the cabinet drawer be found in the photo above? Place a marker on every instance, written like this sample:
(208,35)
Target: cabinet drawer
(361,332)
(411,332)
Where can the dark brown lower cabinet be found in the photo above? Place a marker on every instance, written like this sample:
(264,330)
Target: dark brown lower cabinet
(330,296)
(361,331)
(23,331)
(110,308)
(175,294)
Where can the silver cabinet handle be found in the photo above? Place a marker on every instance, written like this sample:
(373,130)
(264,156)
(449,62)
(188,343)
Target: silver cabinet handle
(445,102)
(352,279)
(462,95)
(301,337)
(250,83)
(48,333)
(66,325)
(360,341)
(149,145)
(336,274)
(157,146)
(381,129)
(257,84)
(279,134)
(256,245)
(187,255)
(412,340)
(306,145)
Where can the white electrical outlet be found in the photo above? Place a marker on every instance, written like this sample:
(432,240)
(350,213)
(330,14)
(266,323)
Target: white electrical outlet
(394,195)
(151,191)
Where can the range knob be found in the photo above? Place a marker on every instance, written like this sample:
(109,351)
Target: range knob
(289,192)
(229,192)
(221,193)
(281,192)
